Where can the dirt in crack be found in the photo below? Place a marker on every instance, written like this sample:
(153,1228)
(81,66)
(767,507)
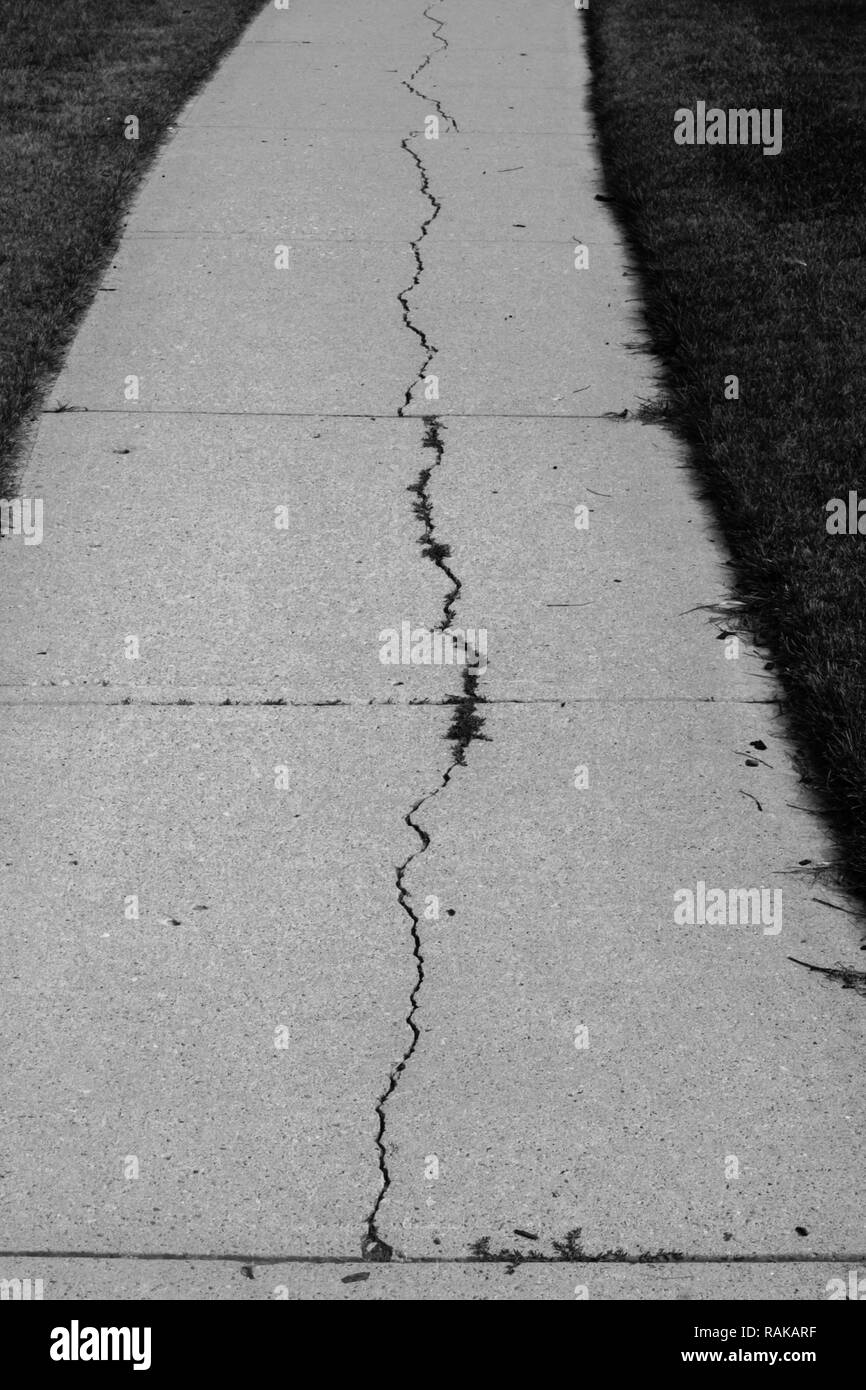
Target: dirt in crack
(423,508)
(466,727)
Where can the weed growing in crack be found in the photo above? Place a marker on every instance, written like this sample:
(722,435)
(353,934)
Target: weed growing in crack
(467,723)
(568,1249)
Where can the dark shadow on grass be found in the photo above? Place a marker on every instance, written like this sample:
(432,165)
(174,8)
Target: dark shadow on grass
(72,73)
(755,266)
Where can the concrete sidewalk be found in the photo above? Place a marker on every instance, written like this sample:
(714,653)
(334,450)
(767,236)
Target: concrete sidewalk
(320,969)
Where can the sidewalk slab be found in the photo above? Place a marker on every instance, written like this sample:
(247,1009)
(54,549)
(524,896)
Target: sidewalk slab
(434,920)
(303,334)
(557,330)
(713,1107)
(150,1105)
(164,527)
(519,188)
(262,172)
(318,86)
(597,568)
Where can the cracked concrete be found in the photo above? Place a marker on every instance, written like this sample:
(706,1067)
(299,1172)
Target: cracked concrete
(466,725)
(433,549)
(413,327)
(409,82)
(372,969)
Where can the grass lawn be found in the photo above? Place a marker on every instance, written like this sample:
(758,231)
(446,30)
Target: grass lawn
(755,266)
(71,71)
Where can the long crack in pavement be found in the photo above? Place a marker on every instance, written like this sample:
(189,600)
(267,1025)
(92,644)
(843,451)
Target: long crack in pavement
(465,727)
(467,723)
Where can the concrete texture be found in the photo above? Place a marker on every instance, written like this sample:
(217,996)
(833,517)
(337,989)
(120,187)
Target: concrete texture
(567,360)
(595,567)
(536,189)
(281,326)
(351,188)
(315,86)
(330,1281)
(563,918)
(430,897)
(169,533)
(258,907)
